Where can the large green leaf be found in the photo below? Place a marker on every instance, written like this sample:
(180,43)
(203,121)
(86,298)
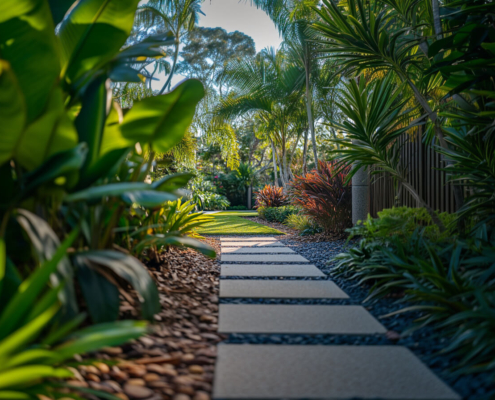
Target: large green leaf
(45,243)
(130,269)
(172,182)
(90,122)
(112,189)
(163,120)
(59,8)
(97,336)
(27,293)
(29,44)
(51,133)
(12,111)
(101,296)
(65,164)
(113,148)
(92,34)
(148,198)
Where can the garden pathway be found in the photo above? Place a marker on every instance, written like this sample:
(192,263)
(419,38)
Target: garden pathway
(266,371)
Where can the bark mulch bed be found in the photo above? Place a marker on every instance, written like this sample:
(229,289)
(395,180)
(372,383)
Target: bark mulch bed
(177,360)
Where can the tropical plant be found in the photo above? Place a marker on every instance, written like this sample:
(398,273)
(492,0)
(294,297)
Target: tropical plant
(279,214)
(271,196)
(71,155)
(402,222)
(302,223)
(376,37)
(324,195)
(152,231)
(34,343)
(269,87)
(177,16)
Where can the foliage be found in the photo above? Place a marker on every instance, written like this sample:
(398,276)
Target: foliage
(208,50)
(450,284)
(302,223)
(271,196)
(237,208)
(277,214)
(325,196)
(72,157)
(204,194)
(173,224)
(402,222)
(33,343)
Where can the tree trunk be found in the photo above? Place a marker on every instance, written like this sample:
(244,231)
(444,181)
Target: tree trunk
(250,196)
(274,163)
(176,57)
(309,109)
(305,153)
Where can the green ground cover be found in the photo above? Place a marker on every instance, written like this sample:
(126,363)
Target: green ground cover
(233,224)
(251,214)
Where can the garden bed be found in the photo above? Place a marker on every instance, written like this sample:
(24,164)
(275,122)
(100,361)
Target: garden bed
(176,360)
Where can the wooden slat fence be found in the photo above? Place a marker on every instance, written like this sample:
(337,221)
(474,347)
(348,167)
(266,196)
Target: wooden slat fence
(422,164)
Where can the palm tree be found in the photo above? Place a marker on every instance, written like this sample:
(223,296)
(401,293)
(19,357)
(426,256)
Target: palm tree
(375,117)
(384,36)
(176,16)
(270,87)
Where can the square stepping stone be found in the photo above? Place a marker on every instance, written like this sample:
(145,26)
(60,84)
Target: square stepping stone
(249,239)
(252,244)
(324,372)
(256,250)
(260,258)
(304,319)
(281,289)
(270,270)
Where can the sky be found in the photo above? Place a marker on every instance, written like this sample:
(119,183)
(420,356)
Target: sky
(235,15)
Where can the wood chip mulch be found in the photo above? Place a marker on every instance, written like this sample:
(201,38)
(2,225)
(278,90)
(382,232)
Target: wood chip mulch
(177,360)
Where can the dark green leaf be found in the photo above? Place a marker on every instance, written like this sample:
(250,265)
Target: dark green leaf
(163,120)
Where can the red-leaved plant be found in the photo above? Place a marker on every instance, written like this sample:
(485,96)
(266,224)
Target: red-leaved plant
(271,196)
(324,196)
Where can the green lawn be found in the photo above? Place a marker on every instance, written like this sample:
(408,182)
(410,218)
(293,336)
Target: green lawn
(226,223)
(239,213)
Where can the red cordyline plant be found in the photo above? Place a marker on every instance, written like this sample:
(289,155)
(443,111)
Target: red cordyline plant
(271,196)
(324,196)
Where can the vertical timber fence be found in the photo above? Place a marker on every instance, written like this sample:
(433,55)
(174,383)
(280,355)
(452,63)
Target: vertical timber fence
(423,165)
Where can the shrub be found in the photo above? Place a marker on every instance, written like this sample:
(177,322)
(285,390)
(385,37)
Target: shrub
(279,214)
(34,342)
(234,208)
(302,223)
(450,284)
(324,196)
(262,212)
(402,222)
(271,196)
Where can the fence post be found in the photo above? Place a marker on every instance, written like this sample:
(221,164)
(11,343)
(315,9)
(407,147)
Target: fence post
(360,196)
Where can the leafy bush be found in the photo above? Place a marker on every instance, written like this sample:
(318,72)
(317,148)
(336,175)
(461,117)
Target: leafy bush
(450,283)
(204,194)
(324,196)
(33,341)
(271,196)
(234,208)
(302,223)
(71,155)
(171,225)
(279,214)
(402,222)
